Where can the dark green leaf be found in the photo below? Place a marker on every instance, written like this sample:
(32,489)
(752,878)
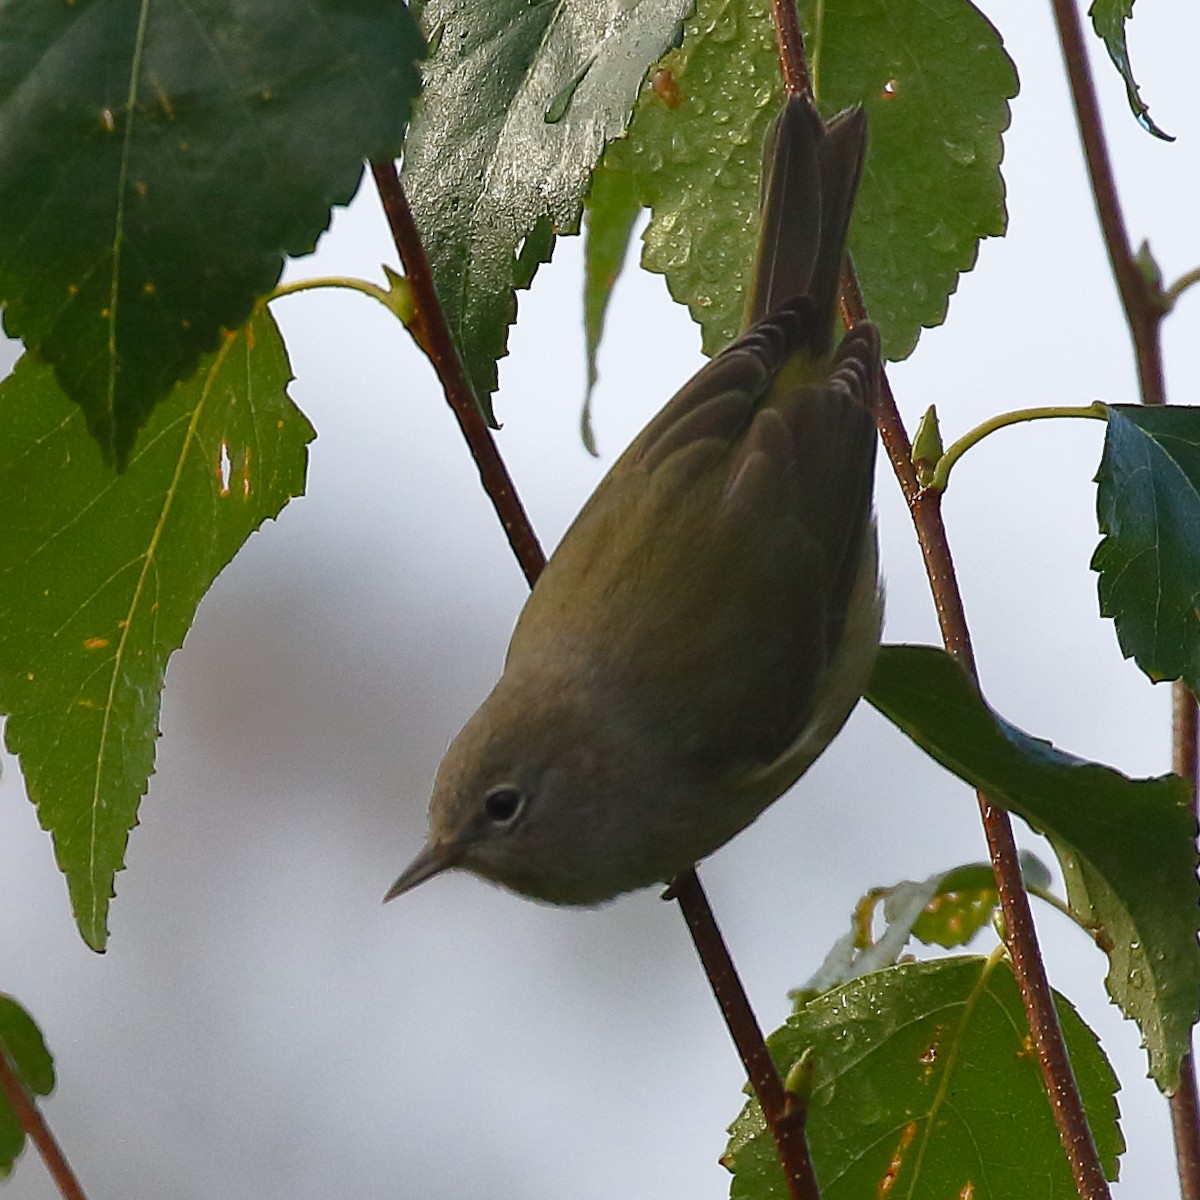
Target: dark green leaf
(936,84)
(21,1043)
(1127,846)
(519,101)
(1108,20)
(922,1074)
(157,163)
(1148,507)
(612,207)
(100,576)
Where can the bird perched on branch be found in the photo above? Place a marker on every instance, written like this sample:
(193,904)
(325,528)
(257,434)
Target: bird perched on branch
(711,617)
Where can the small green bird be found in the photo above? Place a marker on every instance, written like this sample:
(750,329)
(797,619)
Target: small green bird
(711,617)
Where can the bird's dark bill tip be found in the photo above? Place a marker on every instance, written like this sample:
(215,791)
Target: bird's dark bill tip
(433,858)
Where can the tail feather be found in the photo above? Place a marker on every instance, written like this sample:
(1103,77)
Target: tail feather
(810,177)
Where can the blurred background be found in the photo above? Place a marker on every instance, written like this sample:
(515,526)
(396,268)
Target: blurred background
(261,1027)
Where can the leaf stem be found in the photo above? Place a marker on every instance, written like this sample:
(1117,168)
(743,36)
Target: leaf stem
(941,471)
(1171,295)
(785,1121)
(400,306)
(30,1118)
(433,336)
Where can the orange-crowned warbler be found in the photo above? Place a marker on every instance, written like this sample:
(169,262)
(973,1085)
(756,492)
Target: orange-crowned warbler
(711,617)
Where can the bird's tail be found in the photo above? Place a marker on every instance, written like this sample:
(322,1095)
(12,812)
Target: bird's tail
(810,177)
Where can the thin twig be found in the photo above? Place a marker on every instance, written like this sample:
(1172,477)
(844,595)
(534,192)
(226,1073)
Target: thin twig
(34,1124)
(1142,308)
(1028,968)
(786,1122)
(433,336)
(1185,1103)
(429,327)
(790,40)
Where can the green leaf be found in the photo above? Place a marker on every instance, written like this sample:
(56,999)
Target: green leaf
(1108,20)
(962,905)
(612,208)
(100,576)
(922,1073)
(1127,846)
(1148,507)
(22,1045)
(946,909)
(936,83)
(158,162)
(519,101)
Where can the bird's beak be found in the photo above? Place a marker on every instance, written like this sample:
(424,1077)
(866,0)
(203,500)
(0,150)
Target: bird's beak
(434,858)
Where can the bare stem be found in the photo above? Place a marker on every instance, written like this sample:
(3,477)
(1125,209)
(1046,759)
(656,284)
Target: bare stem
(925,509)
(429,327)
(785,1121)
(1185,1103)
(944,465)
(433,336)
(1172,294)
(790,40)
(1143,309)
(34,1124)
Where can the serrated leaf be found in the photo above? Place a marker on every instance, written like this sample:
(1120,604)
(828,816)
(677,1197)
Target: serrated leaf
(922,1073)
(1108,20)
(1133,838)
(518,103)
(1148,508)
(157,163)
(100,576)
(612,208)
(936,83)
(22,1045)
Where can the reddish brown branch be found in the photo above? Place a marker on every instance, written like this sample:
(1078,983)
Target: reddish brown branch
(1185,1103)
(1028,968)
(792,62)
(1143,313)
(33,1123)
(1138,299)
(786,1122)
(429,328)
(433,336)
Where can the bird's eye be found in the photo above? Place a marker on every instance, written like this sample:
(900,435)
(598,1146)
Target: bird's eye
(502,804)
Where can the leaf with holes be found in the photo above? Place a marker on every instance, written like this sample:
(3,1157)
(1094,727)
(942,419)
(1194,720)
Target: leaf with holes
(158,161)
(518,103)
(921,1074)
(100,576)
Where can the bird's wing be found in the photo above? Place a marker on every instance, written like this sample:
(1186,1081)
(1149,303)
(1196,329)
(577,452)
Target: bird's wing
(721,549)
